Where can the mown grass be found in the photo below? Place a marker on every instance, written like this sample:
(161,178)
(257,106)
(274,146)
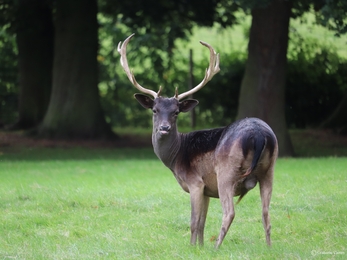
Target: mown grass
(80,203)
(83,203)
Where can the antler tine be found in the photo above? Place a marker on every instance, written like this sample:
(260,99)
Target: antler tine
(124,62)
(212,70)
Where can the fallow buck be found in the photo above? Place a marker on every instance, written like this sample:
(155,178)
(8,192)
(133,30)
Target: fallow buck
(220,163)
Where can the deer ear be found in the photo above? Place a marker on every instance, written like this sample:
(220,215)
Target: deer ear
(144,100)
(188,105)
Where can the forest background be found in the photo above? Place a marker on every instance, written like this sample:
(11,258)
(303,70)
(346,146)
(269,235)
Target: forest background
(282,61)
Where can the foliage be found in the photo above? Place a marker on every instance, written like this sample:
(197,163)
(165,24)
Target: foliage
(8,77)
(7,14)
(116,90)
(159,61)
(155,43)
(312,67)
(315,81)
(219,101)
(333,16)
(124,204)
(308,97)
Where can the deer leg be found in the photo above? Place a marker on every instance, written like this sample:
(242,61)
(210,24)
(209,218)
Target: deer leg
(226,194)
(265,185)
(199,204)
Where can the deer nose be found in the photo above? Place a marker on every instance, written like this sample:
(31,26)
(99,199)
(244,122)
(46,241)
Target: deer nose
(164,128)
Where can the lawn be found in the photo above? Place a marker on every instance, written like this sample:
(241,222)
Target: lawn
(121,203)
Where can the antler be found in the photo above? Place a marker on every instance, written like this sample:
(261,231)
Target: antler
(124,62)
(212,70)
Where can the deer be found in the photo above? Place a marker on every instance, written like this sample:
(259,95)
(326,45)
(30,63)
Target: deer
(222,163)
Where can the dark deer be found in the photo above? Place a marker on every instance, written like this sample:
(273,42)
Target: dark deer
(220,163)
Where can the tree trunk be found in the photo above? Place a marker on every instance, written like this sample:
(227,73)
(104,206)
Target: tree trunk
(74,110)
(263,85)
(35,58)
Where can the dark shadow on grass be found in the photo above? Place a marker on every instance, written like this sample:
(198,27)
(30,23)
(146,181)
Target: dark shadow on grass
(75,153)
(17,146)
(318,143)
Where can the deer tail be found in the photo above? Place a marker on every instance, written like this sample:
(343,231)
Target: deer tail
(257,143)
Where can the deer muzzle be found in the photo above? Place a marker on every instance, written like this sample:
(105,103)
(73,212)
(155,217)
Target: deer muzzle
(164,129)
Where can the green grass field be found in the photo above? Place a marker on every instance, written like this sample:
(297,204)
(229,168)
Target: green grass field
(111,203)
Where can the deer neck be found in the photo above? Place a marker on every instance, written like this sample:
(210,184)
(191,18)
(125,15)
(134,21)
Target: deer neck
(166,147)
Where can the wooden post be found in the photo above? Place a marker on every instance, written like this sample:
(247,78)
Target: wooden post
(190,86)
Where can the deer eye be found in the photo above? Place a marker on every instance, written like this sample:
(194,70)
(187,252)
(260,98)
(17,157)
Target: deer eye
(176,113)
(154,111)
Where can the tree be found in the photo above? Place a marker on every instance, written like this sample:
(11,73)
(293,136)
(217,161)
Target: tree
(34,30)
(263,85)
(74,110)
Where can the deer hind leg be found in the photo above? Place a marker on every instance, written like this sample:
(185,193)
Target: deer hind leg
(226,194)
(265,184)
(199,205)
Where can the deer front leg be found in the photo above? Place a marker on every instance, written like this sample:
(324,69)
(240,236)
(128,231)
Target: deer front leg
(199,205)
(226,194)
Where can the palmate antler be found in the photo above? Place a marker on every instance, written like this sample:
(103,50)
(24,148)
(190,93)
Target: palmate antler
(212,70)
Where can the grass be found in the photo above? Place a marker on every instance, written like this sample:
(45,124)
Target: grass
(103,203)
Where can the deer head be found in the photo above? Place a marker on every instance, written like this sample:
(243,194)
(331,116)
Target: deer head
(165,111)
